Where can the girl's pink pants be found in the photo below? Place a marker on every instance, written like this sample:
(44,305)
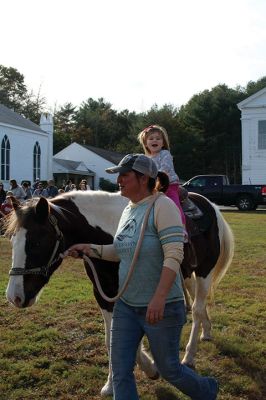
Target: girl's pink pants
(173,193)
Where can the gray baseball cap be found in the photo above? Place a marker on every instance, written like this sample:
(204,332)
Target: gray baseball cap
(135,162)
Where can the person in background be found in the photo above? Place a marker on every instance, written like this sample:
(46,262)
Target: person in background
(153,302)
(51,189)
(3,204)
(155,142)
(40,191)
(2,193)
(84,185)
(27,190)
(17,190)
(6,206)
(68,185)
(35,184)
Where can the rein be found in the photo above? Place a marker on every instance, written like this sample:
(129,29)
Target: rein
(43,270)
(133,263)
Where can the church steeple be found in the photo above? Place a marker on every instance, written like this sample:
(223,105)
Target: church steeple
(47,125)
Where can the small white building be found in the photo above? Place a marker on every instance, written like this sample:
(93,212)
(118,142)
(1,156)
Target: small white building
(253,121)
(95,160)
(26,148)
(27,153)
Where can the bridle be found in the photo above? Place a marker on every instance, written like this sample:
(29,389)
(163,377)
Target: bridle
(44,269)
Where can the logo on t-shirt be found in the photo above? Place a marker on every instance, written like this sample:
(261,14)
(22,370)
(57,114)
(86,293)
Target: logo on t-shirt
(128,230)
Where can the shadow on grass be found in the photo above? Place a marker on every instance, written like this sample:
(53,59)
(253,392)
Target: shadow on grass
(165,394)
(254,212)
(250,368)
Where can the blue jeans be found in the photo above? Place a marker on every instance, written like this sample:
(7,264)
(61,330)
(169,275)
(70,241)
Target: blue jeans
(128,328)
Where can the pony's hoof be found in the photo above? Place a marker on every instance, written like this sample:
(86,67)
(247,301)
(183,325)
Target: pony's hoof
(189,365)
(107,390)
(206,338)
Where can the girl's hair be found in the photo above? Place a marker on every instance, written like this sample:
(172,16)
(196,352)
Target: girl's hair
(159,184)
(143,136)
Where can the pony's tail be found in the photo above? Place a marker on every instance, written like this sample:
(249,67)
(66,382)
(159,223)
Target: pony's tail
(227,246)
(162,182)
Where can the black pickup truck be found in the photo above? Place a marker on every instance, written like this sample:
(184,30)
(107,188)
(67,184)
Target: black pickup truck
(218,190)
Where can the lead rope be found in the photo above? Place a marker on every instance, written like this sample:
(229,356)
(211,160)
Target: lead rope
(133,263)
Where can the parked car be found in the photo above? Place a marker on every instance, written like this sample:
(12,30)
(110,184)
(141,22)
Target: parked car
(218,189)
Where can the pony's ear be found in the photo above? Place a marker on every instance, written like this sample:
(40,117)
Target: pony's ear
(42,209)
(15,203)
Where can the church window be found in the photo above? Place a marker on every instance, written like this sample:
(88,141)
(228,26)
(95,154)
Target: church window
(262,135)
(36,161)
(5,159)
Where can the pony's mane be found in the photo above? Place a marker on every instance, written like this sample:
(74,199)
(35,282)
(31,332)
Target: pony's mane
(15,219)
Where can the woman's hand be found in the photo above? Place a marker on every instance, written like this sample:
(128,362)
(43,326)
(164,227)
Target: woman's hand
(156,306)
(77,250)
(155,309)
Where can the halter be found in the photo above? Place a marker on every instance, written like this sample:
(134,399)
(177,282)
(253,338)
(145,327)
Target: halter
(43,270)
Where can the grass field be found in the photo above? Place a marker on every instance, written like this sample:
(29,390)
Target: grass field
(55,349)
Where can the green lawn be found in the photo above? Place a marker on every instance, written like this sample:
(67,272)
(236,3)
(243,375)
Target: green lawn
(55,349)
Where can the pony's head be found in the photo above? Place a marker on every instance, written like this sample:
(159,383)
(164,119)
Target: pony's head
(36,246)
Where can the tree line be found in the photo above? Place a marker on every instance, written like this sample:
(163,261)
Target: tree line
(205,133)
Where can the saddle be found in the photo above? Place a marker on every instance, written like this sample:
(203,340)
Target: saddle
(193,215)
(199,222)
(190,209)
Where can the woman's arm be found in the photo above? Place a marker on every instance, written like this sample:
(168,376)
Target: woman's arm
(105,252)
(170,231)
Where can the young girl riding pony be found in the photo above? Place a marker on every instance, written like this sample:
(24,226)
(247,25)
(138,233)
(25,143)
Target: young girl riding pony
(155,142)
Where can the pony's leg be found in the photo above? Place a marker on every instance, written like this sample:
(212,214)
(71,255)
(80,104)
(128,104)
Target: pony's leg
(146,363)
(190,284)
(199,316)
(107,389)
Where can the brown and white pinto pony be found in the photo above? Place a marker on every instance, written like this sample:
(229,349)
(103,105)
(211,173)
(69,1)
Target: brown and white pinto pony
(42,229)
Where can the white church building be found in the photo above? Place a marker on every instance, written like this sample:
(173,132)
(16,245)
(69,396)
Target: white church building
(27,154)
(26,148)
(253,121)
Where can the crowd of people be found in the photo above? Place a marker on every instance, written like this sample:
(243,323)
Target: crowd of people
(26,191)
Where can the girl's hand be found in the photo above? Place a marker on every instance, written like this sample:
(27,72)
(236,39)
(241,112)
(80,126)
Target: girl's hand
(77,250)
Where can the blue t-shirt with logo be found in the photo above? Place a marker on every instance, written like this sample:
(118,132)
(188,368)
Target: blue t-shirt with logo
(148,268)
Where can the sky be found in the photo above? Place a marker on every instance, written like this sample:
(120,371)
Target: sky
(133,53)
